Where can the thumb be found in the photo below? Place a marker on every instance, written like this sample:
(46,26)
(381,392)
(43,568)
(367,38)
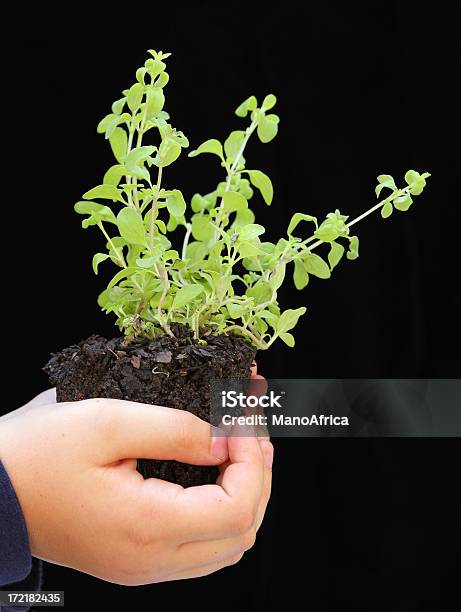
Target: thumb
(137,430)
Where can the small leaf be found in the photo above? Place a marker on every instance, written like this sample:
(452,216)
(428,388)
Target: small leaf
(403,202)
(353,251)
(201,227)
(155,101)
(131,226)
(269,102)
(97,259)
(105,192)
(315,265)
(97,212)
(386,210)
(262,182)
(209,146)
(119,142)
(121,274)
(134,97)
(267,129)
(335,254)
(251,231)
(175,203)
(234,201)
(117,106)
(113,175)
(288,319)
(186,294)
(233,144)
(297,218)
(146,262)
(385,181)
(300,275)
(248,105)
(288,339)
(235,310)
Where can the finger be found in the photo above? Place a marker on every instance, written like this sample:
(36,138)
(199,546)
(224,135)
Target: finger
(254,368)
(211,512)
(268,454)
(134,430)
(195,555)
(206,570)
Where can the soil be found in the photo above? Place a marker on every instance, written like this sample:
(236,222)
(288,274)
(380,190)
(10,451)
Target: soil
(174,372)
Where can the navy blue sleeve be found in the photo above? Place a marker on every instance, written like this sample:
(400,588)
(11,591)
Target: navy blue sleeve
(17,568)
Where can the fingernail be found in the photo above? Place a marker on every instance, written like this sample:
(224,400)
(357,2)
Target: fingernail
(218,443)
(268,453)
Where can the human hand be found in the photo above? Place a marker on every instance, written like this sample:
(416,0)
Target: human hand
(73,466)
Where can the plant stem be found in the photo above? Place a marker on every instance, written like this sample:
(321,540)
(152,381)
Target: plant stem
(231,171)
(120,257)
(257,341)
(154,207)
(184,249)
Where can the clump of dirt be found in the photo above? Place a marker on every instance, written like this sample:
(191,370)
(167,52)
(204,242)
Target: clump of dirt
(175,372)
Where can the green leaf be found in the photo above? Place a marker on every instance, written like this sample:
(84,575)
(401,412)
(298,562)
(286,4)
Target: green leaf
(119,141)
(155,101)
(288,319)
(262,182)
(403,202)
(104,123)
(335,254)
(385,181)
(251,231)
(113,175)
(269,102)
(97,259)
(146,262)
(248,105)
(139,155)
(131,226)
(126,272)
(233,144)
(353,251)
(134,97)
(261,292)
(186,294)
(300,275)
(297,218)
(209,146)
(117,106)
(246,249)
(267,129)
(175,203)
(201,227)
(235,310)
(233,201)
(168,154)
(386,210)
(315,265)
(105,192)
(97,212)
(288,339)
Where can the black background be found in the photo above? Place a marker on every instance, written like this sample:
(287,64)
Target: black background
(363,88)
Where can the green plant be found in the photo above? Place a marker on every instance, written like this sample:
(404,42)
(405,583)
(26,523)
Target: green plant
(224,278)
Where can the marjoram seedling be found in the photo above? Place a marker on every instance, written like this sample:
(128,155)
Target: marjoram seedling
(225,277)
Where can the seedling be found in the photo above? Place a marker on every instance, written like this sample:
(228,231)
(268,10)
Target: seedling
(225,277)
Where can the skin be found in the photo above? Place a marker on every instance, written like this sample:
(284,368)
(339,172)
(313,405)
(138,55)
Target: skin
(73,466)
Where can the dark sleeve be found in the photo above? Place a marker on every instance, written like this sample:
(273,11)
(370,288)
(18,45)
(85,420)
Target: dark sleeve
(18,571)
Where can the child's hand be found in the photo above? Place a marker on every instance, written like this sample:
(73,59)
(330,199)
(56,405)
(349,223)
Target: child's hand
(73,466)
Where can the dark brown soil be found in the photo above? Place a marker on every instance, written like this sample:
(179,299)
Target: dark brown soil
(174,372)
